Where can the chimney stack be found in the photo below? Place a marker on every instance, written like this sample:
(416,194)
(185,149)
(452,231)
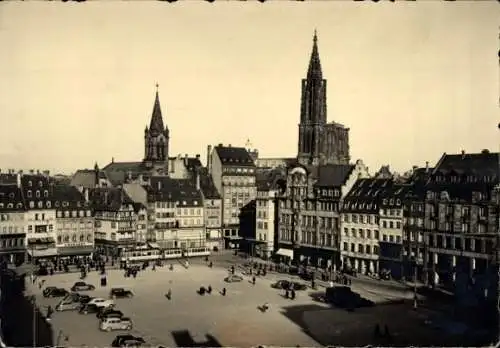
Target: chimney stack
(197,156)
(38,172)
(197,179)
(427,166)
(463,154)
(209,157)
(32,171)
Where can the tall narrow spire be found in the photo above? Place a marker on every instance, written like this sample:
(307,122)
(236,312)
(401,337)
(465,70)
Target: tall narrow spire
(314,71)
(156,124)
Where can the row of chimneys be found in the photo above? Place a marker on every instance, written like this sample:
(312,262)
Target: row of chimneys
(31,172)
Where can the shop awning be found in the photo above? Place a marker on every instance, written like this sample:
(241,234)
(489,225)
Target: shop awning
(44,240)
(154,245)
(73,251)
(285,252)
(42,252)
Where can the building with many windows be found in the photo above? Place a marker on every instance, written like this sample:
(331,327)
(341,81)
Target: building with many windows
(461,221)
(115,220)
(176,212)
(309,212)
(360,225)
(233,173)
(40,216)
(212,204)
(12,224)
(74,221)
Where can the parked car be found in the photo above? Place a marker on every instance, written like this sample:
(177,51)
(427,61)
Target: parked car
(88,308)
(76,297)
(128,341)
(48,289)
(109,324)
(108,313)
(233,278)
(82,286)
(288,285)
(68,306)
(120,293)
(56,292)
(100,302)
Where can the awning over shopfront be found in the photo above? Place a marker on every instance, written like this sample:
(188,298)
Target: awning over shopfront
(74,251)
(154,245)
(45,240)
(285,252)
(42,252)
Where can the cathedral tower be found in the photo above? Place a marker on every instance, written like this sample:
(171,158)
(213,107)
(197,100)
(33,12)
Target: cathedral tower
(312,111)
(156,139)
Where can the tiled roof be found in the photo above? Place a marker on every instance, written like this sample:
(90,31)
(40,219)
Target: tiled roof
(366,195)
(65,196)
(11,198)
(37,191)
(6,178)
(138,206)
(331,175)
(477,164)
(156,124)
(134,167)
(236,156)
(207,186)
(166,189)
(108,199)
(86,178)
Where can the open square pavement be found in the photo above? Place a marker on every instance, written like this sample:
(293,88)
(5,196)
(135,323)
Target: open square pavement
(189,319)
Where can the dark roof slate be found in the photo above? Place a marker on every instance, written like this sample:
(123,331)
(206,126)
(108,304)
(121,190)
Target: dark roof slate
(11,198)
(479,164)
(65,196)
(331,175)
(207,186)
(108,198)
(236,156)
(366,195)
(165,189)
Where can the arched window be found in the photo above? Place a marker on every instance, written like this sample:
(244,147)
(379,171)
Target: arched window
(37,194)
(28,193)
(45,193)
(48,204)
(40,183)
(40,204)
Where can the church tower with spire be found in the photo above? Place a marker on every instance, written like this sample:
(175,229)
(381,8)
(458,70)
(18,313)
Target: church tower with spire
(156,139)
(319,142)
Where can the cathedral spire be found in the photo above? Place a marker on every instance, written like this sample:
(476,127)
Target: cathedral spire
(314,71)
(156,124)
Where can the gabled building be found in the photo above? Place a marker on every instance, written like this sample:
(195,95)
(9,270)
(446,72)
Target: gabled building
(309,212)
(233,173)
(115,221)
(74,221)
(12,223)
(461,223)
(360,225)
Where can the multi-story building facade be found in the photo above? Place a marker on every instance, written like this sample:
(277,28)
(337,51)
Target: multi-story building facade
(40,216)
(413,224)
(74,221)
(212,204)
(391,216)
(12,223)
(115,220)
(360,225)
(233,173)
(460,224)
(309,212)
(319,142)
(177,213)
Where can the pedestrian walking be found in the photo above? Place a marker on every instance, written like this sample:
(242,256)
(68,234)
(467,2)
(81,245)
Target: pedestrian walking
(253,280)
(293,294)
(223,291)
(209,289)
(287,294)
(169,294)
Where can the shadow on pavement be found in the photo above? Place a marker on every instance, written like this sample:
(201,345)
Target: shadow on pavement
(398,325)
(18,314)
(183,338)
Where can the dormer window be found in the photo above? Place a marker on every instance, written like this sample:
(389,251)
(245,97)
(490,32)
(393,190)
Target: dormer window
(184,202)
(40,204)
(195,202)
(40,183)
(65,204)
(10,205)
(28,193)
(37,194)
(398,202)
(66,213)
(11,195)
(19,205)
(32,204)
(56,204)
(48,204)
(45,193)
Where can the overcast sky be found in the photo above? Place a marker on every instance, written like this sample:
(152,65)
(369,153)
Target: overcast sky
(77,80)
